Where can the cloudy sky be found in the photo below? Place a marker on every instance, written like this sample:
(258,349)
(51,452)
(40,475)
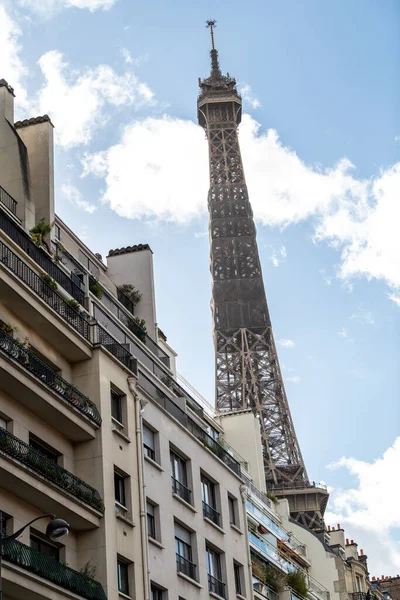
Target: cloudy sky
(321,147)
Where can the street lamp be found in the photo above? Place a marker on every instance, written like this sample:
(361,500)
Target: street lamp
(57,530)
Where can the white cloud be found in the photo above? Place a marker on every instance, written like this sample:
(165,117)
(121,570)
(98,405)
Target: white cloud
(247,94)
(11,67)
(327,279)
(75,100)
(395,298)
(363,316)
(278,256)
(293,379)
(73,195)
(47,8)
(369,510)
(397,138)
(285,343)
(343,333)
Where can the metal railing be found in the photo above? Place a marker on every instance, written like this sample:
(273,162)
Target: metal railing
(358,596)
(262,588)
(209,512)
(149,452)
(101,337)
(185,566)
(181,490)
(47,375)
(173,409)
(50,569)
(40,256)
(8,201)
(44,291)
(216,586)
(39,462)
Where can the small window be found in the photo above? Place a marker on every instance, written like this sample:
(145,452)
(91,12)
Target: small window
(359,583)
(119,488)
(209,501)
(149,443)
(57,232)
(232,505)
(116,407)
(214,570)
(123,579)
(44,547)
(156,593)
(183,549)
(43,448)
(3,422)
(238,572)
(4,523)
(151,520)
(179,477)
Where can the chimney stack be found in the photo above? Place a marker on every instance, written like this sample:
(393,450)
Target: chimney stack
(6,101)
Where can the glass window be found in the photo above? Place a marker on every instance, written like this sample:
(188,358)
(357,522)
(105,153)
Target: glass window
(116,406)
(148,443)
(45,548)
(238,578)
(119,487)
(208,492)
(3,524)
(232,510)
(151,522)
(43,449)
(123,580)
(179,477)
(156,593)
(213,563)
(183,549)
(57,232)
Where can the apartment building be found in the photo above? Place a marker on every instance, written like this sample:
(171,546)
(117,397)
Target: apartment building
(94,426)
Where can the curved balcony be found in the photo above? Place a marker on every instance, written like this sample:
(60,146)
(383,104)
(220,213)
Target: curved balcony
(15,448)
(32,363)
(50,569)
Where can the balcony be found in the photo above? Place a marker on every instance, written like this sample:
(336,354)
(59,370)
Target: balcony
(24,302)
(40,256)
(177,413)
(210,513)
(181,490)
(101,337)
(40,463)
(271,552)
(185,566)
(8,201)
(34,365)
(215,586)
(49,569)
(262,589)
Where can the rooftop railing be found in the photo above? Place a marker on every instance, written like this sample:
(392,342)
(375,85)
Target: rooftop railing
(8,201)
(50,569)
(175,411)
(35,460)
(49,376)
(44,291)
(40,256)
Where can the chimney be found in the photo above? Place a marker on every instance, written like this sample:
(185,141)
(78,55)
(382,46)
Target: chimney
(329,527)
(6,101)
(362,552)
(352,542)
(373,579)
(347,541)
(338,526)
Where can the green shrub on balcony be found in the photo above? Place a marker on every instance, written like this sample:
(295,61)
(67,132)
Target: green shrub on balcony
(40,232)
(272,497)
(138,327)
(49,281)
(74,304)
(95,288)
(298,583)
(268,574)
(130,292)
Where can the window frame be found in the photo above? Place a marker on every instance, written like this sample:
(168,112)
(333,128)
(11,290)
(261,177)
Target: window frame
(180,475)
(151,528)
(149,451)
(209,500)
(121,479)
(114,395)
(122,563)
(40,540)
(238,578)
(233,511)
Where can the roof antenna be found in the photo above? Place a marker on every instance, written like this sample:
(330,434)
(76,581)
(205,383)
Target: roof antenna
(215,70)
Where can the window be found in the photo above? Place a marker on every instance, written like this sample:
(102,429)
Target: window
(57,232)
(43,448)
(88,264)
(44,547)
(3,423)
(208,497)
(359,583)
(183,549)
(151,521)
(179,477)
(232,506)
(238,570)
(119,488)
(215,583)
(123,579)
(156,593)
(4,523)
(116,407)
(149,442)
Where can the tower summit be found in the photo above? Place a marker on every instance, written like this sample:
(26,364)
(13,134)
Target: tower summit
(247,366)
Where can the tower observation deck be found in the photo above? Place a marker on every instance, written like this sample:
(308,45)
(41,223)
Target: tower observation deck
(247,367)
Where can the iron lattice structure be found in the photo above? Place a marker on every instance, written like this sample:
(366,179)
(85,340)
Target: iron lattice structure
(247,366)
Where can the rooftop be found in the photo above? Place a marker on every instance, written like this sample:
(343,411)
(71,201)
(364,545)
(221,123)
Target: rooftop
(128,249)
(33,121)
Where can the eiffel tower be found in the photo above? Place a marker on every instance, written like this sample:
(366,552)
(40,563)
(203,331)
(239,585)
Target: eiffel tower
(247,367)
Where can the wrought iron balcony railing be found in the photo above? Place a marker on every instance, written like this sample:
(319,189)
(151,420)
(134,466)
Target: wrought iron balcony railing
(40,256)
(359,596)
(173,409)
(47,375)
(181,490)
(210,513)
(216,586)
(101,337)
(50,569)
(185,566)
(44,291)
(8,201)
(35,460)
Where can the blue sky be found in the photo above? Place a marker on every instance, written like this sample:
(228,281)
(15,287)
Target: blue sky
(321,144)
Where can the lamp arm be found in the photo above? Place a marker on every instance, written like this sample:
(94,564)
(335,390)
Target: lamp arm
(14,536)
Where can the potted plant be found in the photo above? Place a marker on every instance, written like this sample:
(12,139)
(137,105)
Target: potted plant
(138,327)
(128,291)
(297,581)
(95,288)
(74,304)
(40,232)
(49,281)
